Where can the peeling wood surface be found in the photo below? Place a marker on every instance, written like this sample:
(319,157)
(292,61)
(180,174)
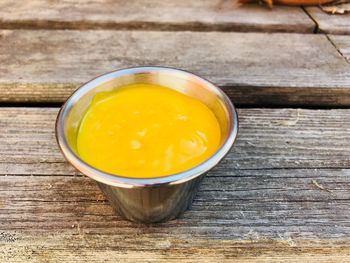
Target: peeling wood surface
(196,15)
(330,24)
(46,65)
(260,205)
(146,245)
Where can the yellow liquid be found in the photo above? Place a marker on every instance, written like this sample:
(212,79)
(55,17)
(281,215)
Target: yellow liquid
(147,131)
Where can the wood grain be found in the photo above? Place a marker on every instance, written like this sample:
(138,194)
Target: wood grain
(270,203)
(268,139)
(203,15)
(282,194)
(342,43)
(244,214)
(330,24)
(77,246)
(46,66)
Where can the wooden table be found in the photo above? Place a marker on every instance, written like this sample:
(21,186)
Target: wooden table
(282,194)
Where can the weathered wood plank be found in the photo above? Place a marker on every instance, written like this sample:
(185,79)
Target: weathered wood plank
(195,15)
(260,69)
(343,45)
(330,24)
(268,202)
(268,138)
(77,246)
(244,214)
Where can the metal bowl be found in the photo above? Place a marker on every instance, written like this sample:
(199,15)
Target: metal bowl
(147,200)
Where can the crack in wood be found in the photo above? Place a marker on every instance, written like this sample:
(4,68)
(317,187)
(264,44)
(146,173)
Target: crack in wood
(337,48)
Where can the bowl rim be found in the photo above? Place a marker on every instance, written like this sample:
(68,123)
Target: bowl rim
(128,182)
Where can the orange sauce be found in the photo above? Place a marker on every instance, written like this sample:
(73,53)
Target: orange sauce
(146,131)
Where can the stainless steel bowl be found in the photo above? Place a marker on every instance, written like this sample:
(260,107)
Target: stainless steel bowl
(154,199)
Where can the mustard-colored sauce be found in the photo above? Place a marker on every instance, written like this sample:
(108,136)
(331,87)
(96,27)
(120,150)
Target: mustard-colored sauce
(147,131)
